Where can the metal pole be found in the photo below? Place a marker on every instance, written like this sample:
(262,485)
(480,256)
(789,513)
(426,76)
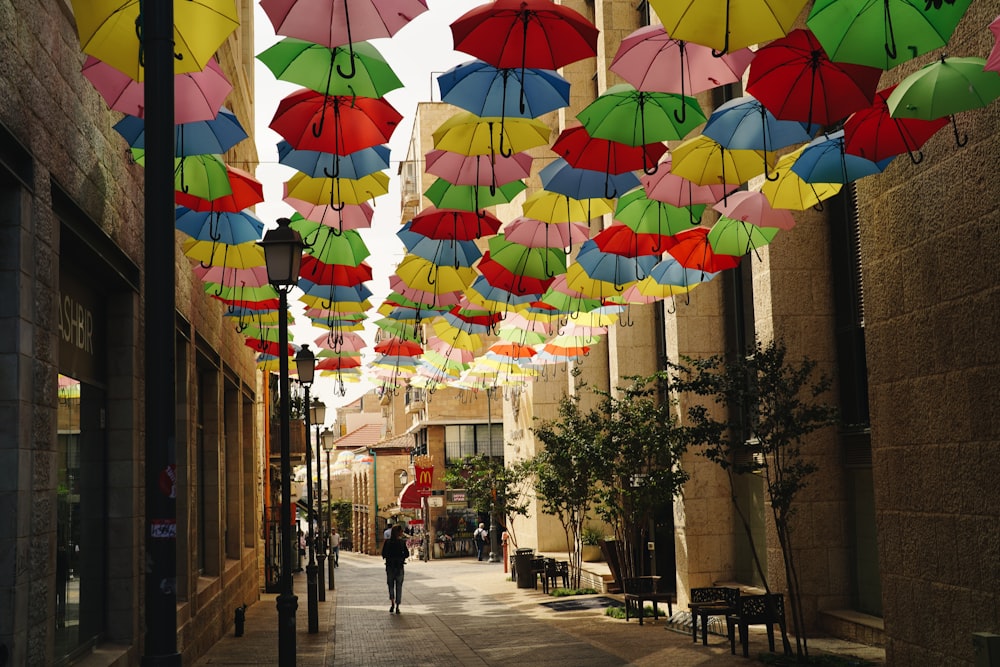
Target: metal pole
(160,646)
(312,594)
(320,582)
(329,522)
(493,505)
(287,602)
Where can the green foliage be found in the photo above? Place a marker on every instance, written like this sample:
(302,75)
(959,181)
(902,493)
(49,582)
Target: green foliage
(342,510)
(619,612)
(566,592)
(491,487)
(591,536)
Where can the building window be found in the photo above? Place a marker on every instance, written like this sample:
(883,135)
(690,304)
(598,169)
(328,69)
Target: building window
(645,13)
(465,440)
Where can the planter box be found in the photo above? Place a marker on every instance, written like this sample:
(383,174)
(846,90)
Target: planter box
(591,553)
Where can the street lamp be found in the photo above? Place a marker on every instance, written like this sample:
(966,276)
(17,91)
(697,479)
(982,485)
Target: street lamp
(283,255)
(328,439)
(317,411)
(305,364)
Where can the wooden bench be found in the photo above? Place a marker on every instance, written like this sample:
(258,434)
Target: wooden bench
(710,601)
(640,590)
(758,610)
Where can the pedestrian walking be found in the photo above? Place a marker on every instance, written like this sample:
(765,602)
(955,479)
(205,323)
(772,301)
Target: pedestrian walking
(335,547)
(480,538)
(395,553)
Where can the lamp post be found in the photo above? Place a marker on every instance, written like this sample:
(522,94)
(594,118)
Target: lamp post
(283,257)
(317,410)
(328,445)
(305,364)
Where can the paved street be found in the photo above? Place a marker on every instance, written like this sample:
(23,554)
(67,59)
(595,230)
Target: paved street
(461,613)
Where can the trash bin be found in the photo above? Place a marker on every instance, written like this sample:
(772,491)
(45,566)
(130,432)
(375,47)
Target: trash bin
(522,568)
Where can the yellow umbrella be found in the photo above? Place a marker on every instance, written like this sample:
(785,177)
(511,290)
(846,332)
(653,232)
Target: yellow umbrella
(213,253)
(789,191)
(335,306)
(552,207)
(419,273)
(649,287)
(457,338)
(469,134)
(727,25)
(107,30)
(337,191)
(577,279)
(705,162)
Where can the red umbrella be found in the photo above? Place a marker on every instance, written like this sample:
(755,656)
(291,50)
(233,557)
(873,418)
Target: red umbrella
(525,33)
(247,191)
(619,239)
(498,275)
(454,224)
(337,363)
(583,151)
(266,346)
(398,347)
(795,79)
(322,273)
(874,134)
(693,251)
(305,119)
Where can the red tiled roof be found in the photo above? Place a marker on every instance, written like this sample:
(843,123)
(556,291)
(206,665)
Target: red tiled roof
(404,441)
(364,436)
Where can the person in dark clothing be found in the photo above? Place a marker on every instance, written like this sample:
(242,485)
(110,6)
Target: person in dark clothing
(395,553)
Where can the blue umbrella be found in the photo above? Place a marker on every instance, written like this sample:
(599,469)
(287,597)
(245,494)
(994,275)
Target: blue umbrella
(672,272)
(486,90)
(744,123)
(317,164)
(439,251)
(489,292)
(824,160)
(335,293)
(216,135)
(561,177)
(220,226)
(612,268)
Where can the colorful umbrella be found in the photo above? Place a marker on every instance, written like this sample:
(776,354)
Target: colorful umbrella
(343,216)
(324,69)
(423,274)
(789,191)
(343,341)
(650,59)
(693,251)
(874,134)
(446,195)
(561,177)
(619,239)
(220,226)
(486,90)
(216,135)
(454,224)
(650,216)
(511,280)
(824,160)
(482,293)
(706,162)
(578,279)
(197,95)
(112,31)
(865,32)
(462,169)
(554,207)
(670,188)
(439,251)
(329,246)
(330,165)
(610,267)
(338,124)
(795,79)
(745,22)
(754,208)
(539,263)
(246,191)
(201,176)
(337,191)
(254,276)
(211,253)
(470,134)
(993,60)
(323,273)
(672,273)
(540,234)
(583,151)
(735,237)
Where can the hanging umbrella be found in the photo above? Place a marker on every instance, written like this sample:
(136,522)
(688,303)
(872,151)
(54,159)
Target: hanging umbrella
(342,341)
(583,151)
(621,240)
(943,88)
(754,208)
(743,22)
(874,134)
(706,162)
(456,337)
(486,90)
(469,134)
(323,69)
(511,280)
(211,253)
(595,288)
(337,191)
(824,160)
(330,165)
(246,192)
(486,295)
(650,216)
(462,169)
(243,293)
(540,234)
(330,247)
(668,187)
(201,176)
(216,135)
(621,270)
(561,177)
(341,216)
(650,59)
(789,191)
(454,224)
(111,30)
(439,251)
(539,263)
(993,60)
(397,347)
(554,207)
(253,276)
(693,251)
(736,237)
(221,226)
(883,34)
(471,197)
(671,272)
(338,124)
(795,79)
(197,95)
(423,274)
(323,273)
(637,117)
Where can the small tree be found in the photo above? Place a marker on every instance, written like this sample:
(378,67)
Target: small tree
(566,473)
(492,488)
(769,405)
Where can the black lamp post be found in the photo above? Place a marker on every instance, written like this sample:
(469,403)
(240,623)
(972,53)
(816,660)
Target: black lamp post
(305,364)
(328,439)
(283,256)
(317,410)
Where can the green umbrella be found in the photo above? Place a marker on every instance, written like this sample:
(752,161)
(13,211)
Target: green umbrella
(944,88)
(567,303)
(241,292)
(404,330)
(203,176)
(516,335)
(650,216)
(329,245)
(883,33)
(321,69)
(729,236)
(471,197)
(637,117)
(541,263)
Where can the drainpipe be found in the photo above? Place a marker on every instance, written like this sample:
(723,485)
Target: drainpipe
(375,493)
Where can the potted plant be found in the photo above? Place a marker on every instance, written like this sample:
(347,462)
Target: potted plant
(591,539)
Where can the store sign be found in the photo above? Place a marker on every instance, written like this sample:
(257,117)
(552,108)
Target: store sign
(81,330)
(422,483)
(435,501)
(458,496)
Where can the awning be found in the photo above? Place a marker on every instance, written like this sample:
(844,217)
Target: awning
(409,498)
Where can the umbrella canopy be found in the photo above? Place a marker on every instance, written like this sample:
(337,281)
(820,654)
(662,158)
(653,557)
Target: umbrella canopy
(522,260)
(322,273)
(215,135)
(211,253)
(329,246)
(198,95)
(650,216)
(471,197)
(454,224)
(727,25)
(439,251)
(621,240)
(824,160)
(745,123)
(754,208)
(253,276)
(423,274)
(221,226)
(330,165)
(584,151)
(736,237)
(874,134)
(511,280)
(789,191)
(540,234)
(595,288)
(463,169)
(486,90)
(338,124)
(470,134)
(201,176)
(554,207)
(323,69)
(246,191)
(336,191)
(706,162)
(795,79)
(883,34)
(336,22)
(670,188)
(671,272)
(341,216)
(650,59)
(108,30)
(692,250)
(562,177)
(944,87)
(621,270)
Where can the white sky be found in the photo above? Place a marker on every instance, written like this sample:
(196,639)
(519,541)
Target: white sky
(417,53)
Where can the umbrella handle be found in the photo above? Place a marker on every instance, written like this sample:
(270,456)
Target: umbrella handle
(954,128)
(336,167)
(349,74)
(725,44)
(504,152)
(890,46)
(317,127)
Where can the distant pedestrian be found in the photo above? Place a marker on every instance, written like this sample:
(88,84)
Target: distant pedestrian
(395,553)
(480,539)
(335,547)
(387,532)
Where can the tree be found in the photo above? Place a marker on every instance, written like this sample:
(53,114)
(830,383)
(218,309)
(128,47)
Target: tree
(566,473)
(768,406)
(492,488)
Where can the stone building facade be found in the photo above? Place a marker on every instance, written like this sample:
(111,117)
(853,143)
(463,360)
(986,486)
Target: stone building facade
(72,391)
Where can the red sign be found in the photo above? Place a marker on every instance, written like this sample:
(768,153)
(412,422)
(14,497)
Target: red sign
(422,483)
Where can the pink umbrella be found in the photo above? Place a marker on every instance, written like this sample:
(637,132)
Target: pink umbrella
(675,190)
(420,296)
(993,61)
(197,95)
(478,169)
(344,341)
(347,216)
(754,207)
(540,234)
(254,276)
(651,60)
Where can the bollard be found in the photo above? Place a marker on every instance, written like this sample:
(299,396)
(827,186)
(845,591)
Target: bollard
(240,621)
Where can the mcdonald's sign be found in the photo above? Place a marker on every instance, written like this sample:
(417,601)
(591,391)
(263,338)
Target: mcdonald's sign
(422,483)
